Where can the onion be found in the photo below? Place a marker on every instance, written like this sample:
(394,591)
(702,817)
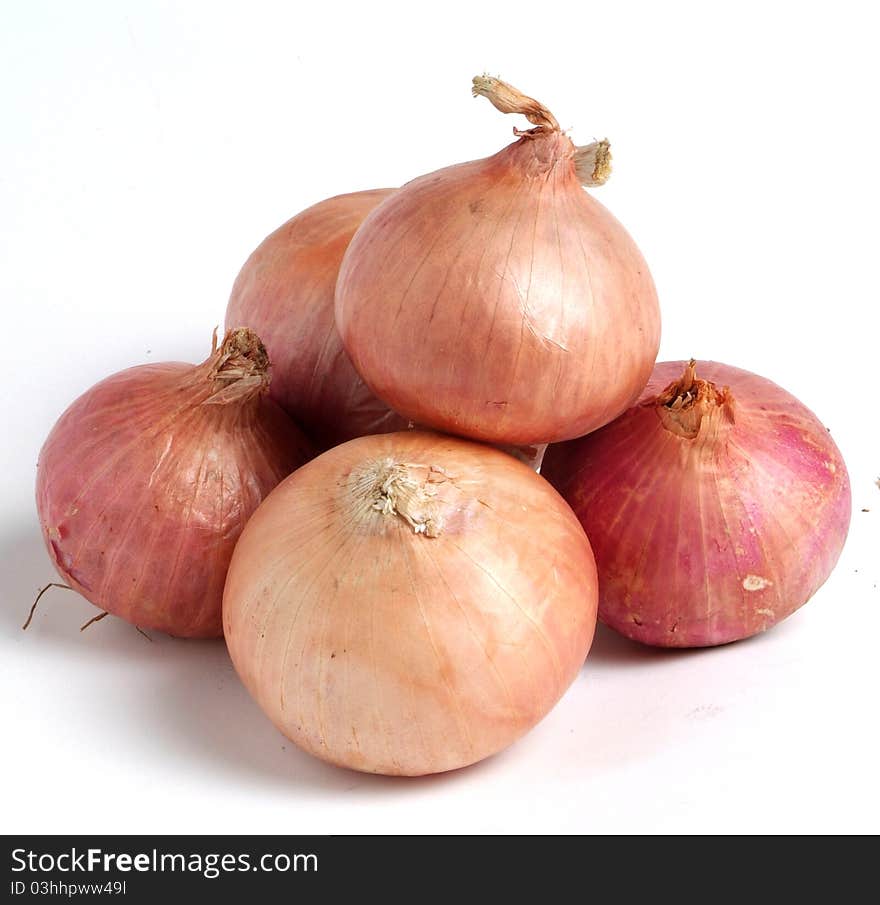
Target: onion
(146,481)
(285,293)
(498,300)
(410,603)
(716,506)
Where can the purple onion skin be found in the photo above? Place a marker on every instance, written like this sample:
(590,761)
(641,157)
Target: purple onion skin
(143,489)
(702,541)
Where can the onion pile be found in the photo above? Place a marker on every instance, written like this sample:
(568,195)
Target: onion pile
(146,481)
(285,293)
(497,299)
(410,603)
(716,506)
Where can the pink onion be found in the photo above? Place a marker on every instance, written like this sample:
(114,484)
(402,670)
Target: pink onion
(285,293)
(410,603)
(146,481)
(716,506)
(498,300)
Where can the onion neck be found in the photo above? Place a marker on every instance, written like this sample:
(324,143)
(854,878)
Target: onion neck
(592,162)
(691,407)
(239,369)
(507,99)
(402,491)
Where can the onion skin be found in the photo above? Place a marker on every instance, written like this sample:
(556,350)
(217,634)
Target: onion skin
(498,300)
(285,293)
(705,540)
(145,482)
(415,639)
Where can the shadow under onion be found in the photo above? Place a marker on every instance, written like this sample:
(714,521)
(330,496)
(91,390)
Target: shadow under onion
(184,699)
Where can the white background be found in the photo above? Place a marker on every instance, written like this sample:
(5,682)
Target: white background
(148,147)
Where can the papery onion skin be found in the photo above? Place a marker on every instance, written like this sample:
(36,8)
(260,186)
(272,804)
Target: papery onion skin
(285,293)
(498,300)
(146,480)
(705,540)
(418,635)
